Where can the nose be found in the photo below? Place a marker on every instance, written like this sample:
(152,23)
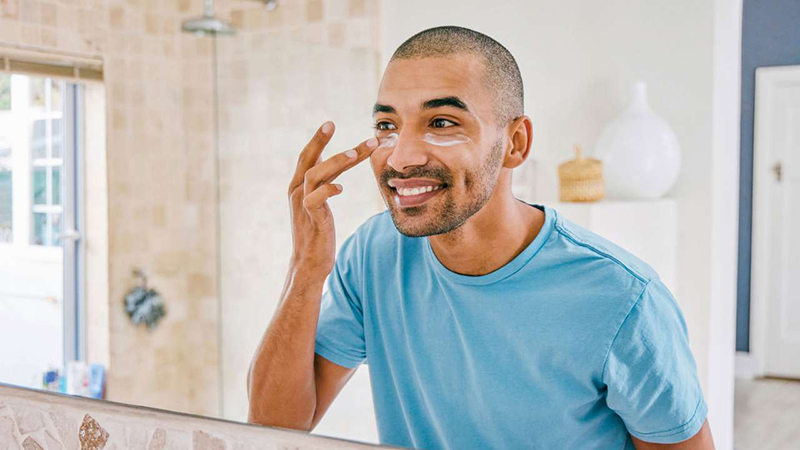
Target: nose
(408,152)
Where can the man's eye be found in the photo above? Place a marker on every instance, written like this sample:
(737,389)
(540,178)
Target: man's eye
(384,126)
(442,123)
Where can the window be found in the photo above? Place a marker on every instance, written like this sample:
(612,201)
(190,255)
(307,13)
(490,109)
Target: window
(46,145)
(5,92)
(5,192)
(6,180)
(40,129)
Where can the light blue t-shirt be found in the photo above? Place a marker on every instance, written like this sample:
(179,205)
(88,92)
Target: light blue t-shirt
(571,345)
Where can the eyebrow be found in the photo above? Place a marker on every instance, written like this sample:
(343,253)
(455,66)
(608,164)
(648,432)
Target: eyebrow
(445,101)
(428,104)
(379,108)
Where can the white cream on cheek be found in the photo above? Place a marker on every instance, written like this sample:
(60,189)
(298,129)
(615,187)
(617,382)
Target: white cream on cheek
(445,141)
(390,140)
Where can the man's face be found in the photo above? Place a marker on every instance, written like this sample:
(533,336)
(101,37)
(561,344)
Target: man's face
(440,152)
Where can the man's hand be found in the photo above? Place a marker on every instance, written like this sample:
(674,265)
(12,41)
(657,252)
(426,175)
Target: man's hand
(313,232)
(288,385)
(700,441)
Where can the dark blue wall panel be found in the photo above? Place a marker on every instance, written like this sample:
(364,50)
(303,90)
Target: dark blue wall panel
(770,37)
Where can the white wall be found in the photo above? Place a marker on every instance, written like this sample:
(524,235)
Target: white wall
(577,59)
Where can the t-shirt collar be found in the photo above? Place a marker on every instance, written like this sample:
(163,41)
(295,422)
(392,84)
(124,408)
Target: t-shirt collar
(507,270)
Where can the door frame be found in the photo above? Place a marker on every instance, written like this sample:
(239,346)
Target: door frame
(767,78)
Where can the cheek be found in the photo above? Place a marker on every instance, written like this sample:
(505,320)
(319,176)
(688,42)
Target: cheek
(467,181)
(464,170)
(378,160)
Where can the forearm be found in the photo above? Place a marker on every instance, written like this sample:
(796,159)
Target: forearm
(281,386)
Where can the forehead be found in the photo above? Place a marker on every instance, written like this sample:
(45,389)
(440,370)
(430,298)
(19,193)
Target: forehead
(407,83)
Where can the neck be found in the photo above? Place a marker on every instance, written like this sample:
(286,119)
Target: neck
(505,225)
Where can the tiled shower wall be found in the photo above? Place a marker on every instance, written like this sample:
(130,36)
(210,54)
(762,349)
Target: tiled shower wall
(161,204)
(280,78)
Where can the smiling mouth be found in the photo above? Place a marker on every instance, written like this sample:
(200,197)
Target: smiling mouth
(405,197)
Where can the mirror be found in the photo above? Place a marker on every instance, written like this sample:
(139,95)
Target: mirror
(146,154)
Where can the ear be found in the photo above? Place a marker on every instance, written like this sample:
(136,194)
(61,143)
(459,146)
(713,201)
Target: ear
(521,136)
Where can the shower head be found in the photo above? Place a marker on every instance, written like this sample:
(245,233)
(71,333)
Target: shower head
(208,24)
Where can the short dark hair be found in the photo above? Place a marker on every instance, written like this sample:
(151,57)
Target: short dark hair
(501,68)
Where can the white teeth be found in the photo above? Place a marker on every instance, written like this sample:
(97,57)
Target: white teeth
(403,192)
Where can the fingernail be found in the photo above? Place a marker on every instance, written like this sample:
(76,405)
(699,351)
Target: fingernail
(351,153)
(327,127)
(338,186)
(372,142)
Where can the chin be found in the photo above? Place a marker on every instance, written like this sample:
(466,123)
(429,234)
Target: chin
(421,221)
(436,216)
(412,227)
(413,221)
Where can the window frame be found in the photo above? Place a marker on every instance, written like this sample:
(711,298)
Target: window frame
(71,217)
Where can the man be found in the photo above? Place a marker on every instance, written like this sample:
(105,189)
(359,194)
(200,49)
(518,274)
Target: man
(486,322)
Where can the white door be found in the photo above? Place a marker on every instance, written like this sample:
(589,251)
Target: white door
(776,220)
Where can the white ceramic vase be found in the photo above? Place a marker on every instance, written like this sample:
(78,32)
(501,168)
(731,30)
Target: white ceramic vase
(640,152)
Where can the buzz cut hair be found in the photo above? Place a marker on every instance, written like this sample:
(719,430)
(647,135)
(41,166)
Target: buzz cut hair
(501,69)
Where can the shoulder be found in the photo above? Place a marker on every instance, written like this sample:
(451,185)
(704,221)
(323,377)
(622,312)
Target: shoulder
(582,245)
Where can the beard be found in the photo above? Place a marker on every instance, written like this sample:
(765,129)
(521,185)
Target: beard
(443,213)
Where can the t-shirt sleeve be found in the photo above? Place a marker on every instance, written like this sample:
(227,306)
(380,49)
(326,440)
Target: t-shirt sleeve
(651,374)
(340,329)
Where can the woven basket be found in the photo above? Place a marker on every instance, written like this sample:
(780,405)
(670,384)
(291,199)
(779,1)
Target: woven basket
(581,179)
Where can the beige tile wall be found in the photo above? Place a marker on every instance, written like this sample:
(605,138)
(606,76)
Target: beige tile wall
(280,78)
(161,186)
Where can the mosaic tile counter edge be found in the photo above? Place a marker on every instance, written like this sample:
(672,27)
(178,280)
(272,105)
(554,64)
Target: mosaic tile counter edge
(39,420)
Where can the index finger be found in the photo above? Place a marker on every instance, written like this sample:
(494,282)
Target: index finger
(328,170)
(310,154)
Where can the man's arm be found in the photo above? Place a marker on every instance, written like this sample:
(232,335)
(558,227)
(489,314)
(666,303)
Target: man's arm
(288,385)
(330,379)
(283,388)
(700,441)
